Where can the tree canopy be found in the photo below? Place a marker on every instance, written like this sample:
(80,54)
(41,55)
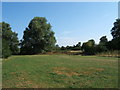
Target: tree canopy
(38,37)
(9,40)
(102,46)
(89,47)
(115,31)
(103,40)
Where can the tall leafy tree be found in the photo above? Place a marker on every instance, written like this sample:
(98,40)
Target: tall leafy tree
(38,37)
(9,40)
(115,31)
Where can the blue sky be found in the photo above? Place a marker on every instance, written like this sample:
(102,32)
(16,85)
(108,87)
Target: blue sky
(72,22)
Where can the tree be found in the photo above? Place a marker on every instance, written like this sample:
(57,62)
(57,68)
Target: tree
(57,48)
(77,46)
(9,40)
(103,40)
(6,52)
(102,46)
(63,48)
(89,47)
(38,37)
(115,31)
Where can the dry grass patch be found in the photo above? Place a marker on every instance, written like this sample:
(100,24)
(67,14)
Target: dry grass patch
(92,70)
(96,69)
(64,71)
(68,72)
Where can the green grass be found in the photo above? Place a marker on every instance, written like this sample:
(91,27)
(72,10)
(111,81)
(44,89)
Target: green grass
(60,71)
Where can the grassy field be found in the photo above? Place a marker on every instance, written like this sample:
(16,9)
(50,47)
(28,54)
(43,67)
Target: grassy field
(60,71)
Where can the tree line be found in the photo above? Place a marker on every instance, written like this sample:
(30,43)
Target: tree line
(39,38)
(90,47)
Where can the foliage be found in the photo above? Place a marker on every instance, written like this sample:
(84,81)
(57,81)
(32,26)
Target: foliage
(116,29)
(89,47)
(6,52)
(63,48)
(103,40)
(115,42)
(74,47)
(57,48)
(38,37)
(77,46)
(102,46)
(9,40)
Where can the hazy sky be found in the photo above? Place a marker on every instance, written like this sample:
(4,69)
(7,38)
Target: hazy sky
(71,22)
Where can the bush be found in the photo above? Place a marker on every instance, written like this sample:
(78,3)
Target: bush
(6,52)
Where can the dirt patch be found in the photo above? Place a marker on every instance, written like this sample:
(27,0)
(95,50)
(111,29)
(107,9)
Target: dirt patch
(68,72)
(92,70)
(96,69)
(59,68)
(13,73)
(87,72)
(64,71)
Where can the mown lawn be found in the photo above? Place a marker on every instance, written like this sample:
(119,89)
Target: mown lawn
(60,71)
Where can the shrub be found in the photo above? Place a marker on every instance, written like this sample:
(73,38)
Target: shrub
(6,52)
